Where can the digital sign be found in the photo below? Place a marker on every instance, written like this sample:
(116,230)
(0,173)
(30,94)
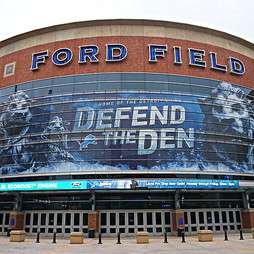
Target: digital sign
(119,184)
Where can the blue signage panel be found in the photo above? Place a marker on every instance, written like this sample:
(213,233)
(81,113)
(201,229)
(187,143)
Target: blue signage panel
(119,184)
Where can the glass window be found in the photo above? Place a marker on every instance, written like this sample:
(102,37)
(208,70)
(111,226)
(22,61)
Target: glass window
(193,217)
(112,219)
(224,217)
(131,230)
(216,217)
(103,219)
(59,219)
(158,218)
(85,219)
(185,218)
(76,219)
(238,218)
(149,218)
(112,230)
(28,217)
(231,216)
(35,219)
(209,217)
(201,217)
(121,218)
(43,219)
(140,219)
(7,216)
(122,230)
(67,219)
(51,219)
(167,218)
(130,218)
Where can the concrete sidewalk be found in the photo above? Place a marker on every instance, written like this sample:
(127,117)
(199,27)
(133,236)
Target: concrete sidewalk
(129,246)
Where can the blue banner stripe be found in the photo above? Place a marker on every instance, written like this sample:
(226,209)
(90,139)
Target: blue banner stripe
(119,184)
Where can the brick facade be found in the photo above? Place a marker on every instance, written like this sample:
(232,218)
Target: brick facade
(136,61)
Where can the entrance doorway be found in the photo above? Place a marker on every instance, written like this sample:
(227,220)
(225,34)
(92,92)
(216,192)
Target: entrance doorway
(213,219)
(61,222)
(128,222)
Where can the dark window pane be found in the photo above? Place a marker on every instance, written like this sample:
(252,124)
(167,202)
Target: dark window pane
(85,219)
(130,218)
(76,219)
(43,219)
(150,230)
(51,219)
(238,218)
(185,218)
(103,230)
(140,219)
(149,218)
(28,216)
(201,217)
(224,217)
(35,219)
(121,218)
(209,217)
(112,230)
(122,230)
(216,217)
(7,216)
(67,230)
(158,218)
(59,219)
(112,219)
(231,216)
(42,230)
(67,219)
(50,230)
(103,219)
(1,218)
(167,218)
(131,230)
(193,218)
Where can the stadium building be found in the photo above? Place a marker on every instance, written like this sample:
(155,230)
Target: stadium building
(126,125)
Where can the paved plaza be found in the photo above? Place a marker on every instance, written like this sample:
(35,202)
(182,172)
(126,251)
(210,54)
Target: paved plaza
(129,246)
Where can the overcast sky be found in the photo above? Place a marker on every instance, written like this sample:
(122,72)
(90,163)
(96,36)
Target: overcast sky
(231,16)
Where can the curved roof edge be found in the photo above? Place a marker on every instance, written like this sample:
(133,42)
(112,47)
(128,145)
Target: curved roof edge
(144,22)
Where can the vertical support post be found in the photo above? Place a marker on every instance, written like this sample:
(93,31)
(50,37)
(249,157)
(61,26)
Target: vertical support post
(165,237)
(118,238)
(99,242)
(183,236)
(54,237)
(226,235)
(241,234)
(38,237)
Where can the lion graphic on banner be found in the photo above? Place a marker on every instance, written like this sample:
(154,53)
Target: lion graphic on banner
(228,123)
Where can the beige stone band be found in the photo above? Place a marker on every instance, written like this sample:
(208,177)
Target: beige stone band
(163,29)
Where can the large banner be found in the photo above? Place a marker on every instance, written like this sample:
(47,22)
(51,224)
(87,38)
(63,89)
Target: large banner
(120,184)
(128,131)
